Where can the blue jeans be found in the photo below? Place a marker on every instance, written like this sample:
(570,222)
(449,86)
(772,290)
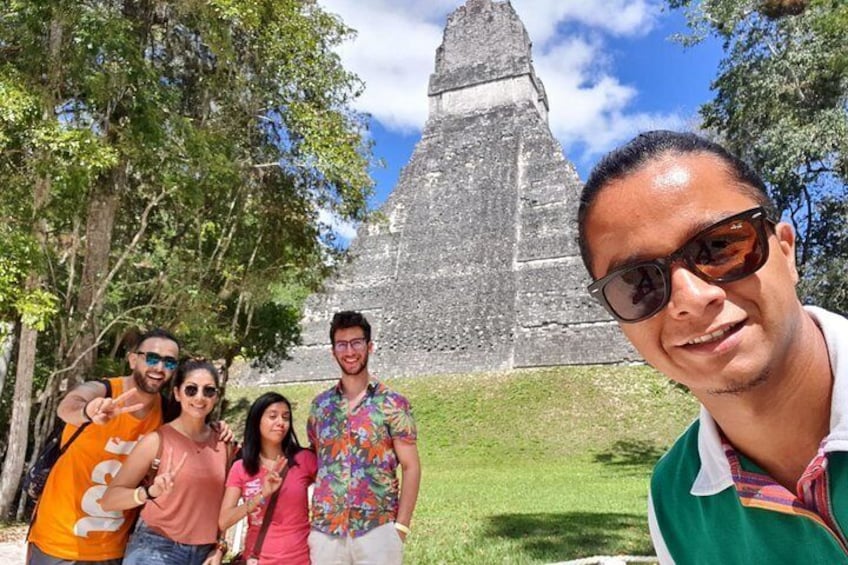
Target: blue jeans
(147,547)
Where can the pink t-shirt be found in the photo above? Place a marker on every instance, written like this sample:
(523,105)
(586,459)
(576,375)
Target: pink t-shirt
(288,534)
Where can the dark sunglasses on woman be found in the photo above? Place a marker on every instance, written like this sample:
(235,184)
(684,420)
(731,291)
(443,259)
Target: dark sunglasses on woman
(191,390)
(727,251)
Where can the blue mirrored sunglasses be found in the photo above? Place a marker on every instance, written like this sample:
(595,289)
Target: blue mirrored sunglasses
(153,359)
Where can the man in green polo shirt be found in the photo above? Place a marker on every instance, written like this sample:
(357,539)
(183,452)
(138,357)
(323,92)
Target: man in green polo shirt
(688,255)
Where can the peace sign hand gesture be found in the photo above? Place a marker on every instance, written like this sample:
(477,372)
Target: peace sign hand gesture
(103,410)
(164,482)
(273,478)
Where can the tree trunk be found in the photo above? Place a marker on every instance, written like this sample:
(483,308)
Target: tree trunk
(18,432)
(7,344)
(13,464)
(98,246)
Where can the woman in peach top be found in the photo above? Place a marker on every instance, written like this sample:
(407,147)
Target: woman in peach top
(178,523)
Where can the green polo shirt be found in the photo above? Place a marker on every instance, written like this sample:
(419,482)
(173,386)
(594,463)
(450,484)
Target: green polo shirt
(697,516)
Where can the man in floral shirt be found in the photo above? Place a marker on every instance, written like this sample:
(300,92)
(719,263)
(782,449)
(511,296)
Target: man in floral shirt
(361,430)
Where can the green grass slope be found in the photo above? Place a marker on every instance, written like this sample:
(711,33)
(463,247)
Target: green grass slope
(533,466)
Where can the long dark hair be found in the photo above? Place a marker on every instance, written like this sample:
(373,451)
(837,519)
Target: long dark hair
(253,438)
(172,406)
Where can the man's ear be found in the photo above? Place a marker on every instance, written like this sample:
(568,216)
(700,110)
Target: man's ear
(786,240)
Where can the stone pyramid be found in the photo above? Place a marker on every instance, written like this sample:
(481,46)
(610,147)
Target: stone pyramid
(474,265)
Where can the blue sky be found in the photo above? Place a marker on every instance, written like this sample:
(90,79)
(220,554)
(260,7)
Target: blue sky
(609,66)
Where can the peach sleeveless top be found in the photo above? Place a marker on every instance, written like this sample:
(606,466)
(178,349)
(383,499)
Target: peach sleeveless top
(189,513)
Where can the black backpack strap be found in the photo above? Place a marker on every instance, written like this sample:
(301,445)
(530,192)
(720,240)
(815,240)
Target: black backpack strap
(71,439)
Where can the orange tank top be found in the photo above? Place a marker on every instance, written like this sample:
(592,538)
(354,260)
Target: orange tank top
(189,513)
(70,523)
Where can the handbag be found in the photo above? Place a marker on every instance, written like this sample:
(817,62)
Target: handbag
(253,557)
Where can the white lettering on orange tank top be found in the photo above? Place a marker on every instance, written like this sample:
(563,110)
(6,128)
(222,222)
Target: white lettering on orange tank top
(97,519)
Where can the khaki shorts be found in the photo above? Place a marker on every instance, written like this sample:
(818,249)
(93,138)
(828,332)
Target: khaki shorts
(380,546)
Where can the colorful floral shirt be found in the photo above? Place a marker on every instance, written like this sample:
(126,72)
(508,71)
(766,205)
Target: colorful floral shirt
(356,489)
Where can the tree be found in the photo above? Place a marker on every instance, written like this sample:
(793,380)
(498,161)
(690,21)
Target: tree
(166,163)
(781,102)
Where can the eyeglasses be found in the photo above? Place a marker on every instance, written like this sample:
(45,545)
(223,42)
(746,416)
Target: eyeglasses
(357,345)
(732,249)
(191,390)
(153,359)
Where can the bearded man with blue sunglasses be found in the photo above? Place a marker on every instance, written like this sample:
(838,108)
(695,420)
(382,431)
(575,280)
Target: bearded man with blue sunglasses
(689,257)
(69,525)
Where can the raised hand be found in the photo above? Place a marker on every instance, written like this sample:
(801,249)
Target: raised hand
(103,410)
(273,478)
(164,482)
(223,430)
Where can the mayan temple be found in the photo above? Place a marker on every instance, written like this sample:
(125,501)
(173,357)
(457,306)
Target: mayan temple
(474,265)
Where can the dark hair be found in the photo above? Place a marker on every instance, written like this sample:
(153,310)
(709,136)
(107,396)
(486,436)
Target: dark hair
(172,407)
(159,333)
(649,145)
(349,319)
(253,437)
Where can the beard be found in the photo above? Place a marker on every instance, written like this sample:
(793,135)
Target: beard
(741,387)
(142,384)
(360,367)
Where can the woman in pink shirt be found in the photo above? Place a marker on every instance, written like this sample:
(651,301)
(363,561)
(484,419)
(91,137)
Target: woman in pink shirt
(271,449)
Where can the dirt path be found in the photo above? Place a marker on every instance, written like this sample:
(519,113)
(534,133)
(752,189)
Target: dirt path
(12,552)
(12,546)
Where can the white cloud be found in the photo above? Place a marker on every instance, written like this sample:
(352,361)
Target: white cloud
(617,17)
(394,54)
(588,106)
(344,229)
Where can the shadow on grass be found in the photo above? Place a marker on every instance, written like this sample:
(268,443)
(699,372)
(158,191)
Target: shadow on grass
(571,535)
(636,454)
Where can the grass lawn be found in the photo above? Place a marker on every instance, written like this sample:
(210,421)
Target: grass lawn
(533,466)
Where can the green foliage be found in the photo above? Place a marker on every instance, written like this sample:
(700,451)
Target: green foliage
(781,102)
(165,164)
(36,308)
(534,466)
(214,130)
(12,270)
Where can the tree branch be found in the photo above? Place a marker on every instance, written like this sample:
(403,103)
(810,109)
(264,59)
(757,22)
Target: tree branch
(104,284)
